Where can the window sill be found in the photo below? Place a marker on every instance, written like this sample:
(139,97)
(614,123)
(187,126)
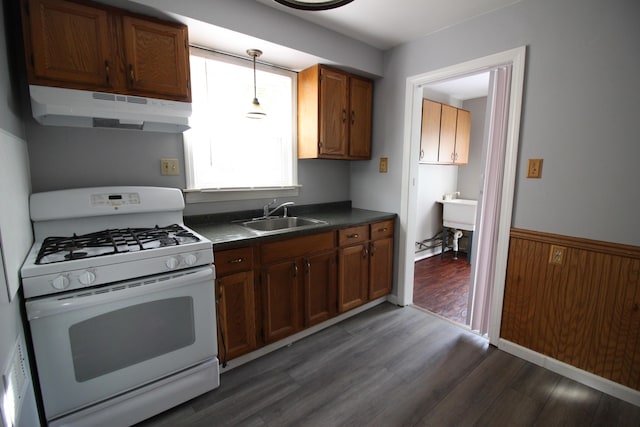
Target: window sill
(206,195)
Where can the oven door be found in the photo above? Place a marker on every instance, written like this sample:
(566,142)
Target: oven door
(99,343)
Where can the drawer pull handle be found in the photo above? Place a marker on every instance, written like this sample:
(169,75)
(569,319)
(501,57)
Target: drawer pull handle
(382,230)
(236,261)
(353,236)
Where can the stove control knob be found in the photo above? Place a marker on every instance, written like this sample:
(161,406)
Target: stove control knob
(87,278)
(171,263)
(190,259)
(60,282)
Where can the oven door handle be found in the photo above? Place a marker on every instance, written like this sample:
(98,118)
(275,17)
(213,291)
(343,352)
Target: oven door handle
(37,309)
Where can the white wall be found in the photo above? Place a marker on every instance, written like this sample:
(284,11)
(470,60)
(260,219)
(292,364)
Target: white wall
(579,113)
(470,175)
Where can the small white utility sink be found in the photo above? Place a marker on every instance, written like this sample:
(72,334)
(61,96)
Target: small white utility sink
(459,213)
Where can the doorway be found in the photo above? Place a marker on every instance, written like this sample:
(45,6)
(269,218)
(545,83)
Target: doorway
(495,222)
(443,280)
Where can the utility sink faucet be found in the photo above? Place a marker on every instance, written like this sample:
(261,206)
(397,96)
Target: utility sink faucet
(266,212)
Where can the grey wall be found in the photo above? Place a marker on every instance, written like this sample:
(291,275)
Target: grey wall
(579,113)
(11,129)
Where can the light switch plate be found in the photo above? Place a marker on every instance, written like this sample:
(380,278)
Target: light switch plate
(534,170)
(384,163)
(169,167)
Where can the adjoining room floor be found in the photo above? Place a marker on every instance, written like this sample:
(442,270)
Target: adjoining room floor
(392,366)
(441,285)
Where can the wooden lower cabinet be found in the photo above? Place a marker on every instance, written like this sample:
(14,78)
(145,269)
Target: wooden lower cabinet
(354,277)
(281,300)
(302,281)
(381,259)
(297,282)
(236,314)
(320,286)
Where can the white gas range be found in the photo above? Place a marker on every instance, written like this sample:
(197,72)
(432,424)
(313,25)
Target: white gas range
(120,302)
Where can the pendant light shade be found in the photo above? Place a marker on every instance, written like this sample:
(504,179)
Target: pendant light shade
(314,4)
(255,110)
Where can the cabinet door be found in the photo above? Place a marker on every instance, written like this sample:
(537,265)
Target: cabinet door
(236,314)
(361,102)
(353,277)
(280,300)
(333,113)
(320,288)
(430,135)
(157,59)
(446,153)
(463,132)
(380,267)
(69,43)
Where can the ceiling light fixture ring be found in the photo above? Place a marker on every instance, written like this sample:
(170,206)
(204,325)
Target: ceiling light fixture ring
(314,4)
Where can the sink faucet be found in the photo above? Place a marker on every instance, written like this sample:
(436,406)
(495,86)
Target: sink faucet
(266,212)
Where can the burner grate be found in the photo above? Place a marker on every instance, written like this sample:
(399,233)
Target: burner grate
(111,241)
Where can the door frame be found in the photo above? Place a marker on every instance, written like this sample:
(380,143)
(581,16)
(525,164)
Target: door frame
(412,122)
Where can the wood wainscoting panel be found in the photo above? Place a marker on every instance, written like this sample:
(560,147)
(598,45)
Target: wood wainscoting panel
(583,311)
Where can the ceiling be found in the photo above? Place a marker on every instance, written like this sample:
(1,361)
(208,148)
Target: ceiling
(382,24)
(388,23)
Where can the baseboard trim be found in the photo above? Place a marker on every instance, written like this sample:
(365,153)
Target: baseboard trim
(587,378)
(262,351)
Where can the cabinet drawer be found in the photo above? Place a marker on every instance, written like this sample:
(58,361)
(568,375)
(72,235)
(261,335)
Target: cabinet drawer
(382,229)
(351,235)
(233,260)
(297,247)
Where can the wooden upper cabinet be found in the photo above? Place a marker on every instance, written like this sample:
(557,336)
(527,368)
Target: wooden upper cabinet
(157,57)
(334,98)
(67,42)
(463,133)
(361,103)
(430,135)
(334,114)
(445,134)
(91,46)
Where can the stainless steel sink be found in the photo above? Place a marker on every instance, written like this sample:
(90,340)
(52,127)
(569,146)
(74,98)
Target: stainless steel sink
(280,223)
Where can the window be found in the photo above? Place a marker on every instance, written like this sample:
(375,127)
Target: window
(229,156)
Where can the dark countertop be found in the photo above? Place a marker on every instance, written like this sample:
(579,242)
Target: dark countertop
(223,232)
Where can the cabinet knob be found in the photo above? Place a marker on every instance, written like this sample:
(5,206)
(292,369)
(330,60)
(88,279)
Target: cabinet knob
(344,115)
(365,253)
(131,76)
(353,236)
(235,261)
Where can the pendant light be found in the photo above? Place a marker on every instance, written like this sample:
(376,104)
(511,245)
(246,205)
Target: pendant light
(255,111)
(314,4)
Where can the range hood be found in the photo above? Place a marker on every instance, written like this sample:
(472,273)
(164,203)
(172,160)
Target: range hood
(80,108)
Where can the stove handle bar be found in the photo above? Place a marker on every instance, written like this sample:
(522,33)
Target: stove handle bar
(37,309)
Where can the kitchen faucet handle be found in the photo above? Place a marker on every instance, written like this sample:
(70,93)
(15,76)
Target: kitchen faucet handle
(265,208)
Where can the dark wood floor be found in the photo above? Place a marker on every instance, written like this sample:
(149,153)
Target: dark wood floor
(392,366)
(441,285)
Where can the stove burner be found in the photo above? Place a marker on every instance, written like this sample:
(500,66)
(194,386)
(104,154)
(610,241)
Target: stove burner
(76,255)
(112,241)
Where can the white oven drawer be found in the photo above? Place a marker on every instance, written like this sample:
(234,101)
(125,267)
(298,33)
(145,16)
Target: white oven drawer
(94,344)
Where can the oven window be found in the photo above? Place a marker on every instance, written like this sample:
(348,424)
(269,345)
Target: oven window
(131,335)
